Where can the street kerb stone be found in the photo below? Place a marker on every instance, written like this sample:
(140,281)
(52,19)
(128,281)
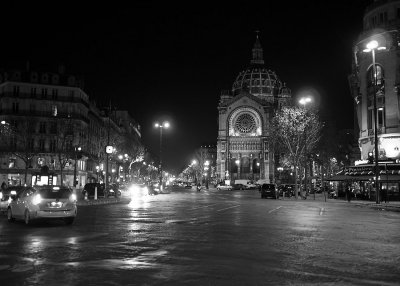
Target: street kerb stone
(104,201)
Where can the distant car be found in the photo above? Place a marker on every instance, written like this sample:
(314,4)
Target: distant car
(43,202)
(188,186)
(224,187)
(269,190)
(111,191)
(239,187)
(5,196)
(287,190)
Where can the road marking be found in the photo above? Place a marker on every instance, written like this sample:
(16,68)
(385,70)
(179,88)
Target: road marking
(228,208)
(202,207)
(274,209)
(321,211)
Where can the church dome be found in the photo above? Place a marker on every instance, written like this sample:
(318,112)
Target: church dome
(257,79)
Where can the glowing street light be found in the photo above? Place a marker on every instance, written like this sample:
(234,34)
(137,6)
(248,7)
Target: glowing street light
(371,47)
(161,126)
(304,101)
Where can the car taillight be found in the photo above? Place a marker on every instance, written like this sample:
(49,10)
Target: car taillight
(37,199)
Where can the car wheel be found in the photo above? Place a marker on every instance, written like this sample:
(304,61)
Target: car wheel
(69,220)
(9,215)
(27,217)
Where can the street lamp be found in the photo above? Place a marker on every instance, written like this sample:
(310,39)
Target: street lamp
(206,168)
(161,126)
(304,101)
(371,47)
(77,149)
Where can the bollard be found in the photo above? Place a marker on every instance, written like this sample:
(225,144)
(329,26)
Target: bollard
(95,193)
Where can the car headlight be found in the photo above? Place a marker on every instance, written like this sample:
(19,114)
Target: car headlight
(72,198)
(37,199)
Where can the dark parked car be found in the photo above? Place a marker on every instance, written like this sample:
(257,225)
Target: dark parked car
(239,187)
(269,190)
(112,190)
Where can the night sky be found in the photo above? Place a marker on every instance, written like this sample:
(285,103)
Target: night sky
(170,61)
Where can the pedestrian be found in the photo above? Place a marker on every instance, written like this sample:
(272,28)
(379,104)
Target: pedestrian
(198,187)
(348,193)
(3,186)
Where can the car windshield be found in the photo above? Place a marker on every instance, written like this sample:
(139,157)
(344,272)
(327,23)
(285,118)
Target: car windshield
(55,193)
(268,187)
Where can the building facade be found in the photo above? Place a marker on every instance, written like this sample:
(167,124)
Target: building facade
(378,83)
(381,23)
(51,131)
(243,150)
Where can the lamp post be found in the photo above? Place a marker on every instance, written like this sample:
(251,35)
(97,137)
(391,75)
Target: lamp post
(77,149)
(194,162)
(206,167)
(161,127)
(371,47)
(303,101)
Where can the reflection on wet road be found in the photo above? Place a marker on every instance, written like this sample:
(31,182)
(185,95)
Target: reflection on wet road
(206,238)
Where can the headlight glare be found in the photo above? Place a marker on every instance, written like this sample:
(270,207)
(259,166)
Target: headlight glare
(37,199)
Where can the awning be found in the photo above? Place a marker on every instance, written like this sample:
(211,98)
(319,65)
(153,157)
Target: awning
(382,178)
(339,178)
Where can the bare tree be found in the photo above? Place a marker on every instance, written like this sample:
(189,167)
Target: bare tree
(295,132)
(19,141)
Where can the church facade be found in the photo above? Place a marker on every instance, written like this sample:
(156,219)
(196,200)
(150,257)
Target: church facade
(245,112)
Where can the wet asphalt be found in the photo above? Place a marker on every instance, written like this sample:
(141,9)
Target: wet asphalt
(206,238)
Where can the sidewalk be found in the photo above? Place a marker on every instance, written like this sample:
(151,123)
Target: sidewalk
(389,206)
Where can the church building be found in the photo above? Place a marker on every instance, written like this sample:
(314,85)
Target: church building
(243,150)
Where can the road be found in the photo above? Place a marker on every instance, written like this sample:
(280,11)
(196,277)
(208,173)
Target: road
(207,238)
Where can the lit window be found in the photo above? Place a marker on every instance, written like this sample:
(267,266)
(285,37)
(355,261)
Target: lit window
(54,110)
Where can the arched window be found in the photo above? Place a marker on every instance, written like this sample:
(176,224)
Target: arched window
(379,76)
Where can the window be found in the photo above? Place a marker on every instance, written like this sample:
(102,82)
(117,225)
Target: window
(370,114)
(379,76)
(44,93)
(68,145)
(54,110)
(33,91)
(54,94)
(53,128)
(11,163)
(31,144)
(32,107)
(381,116)
(15,90)
(52,145)
(15,107)
(41,145)
(42,128)
(71,94)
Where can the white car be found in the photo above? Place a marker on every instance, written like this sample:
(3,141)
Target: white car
(43,202)
(224,187)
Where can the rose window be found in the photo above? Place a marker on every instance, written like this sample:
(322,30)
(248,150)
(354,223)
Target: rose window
(245,123)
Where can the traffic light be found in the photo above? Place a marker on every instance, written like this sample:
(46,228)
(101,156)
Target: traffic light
(370,158)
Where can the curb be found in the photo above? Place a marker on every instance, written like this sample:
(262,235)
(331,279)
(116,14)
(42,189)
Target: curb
(104,202)
(381,207)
